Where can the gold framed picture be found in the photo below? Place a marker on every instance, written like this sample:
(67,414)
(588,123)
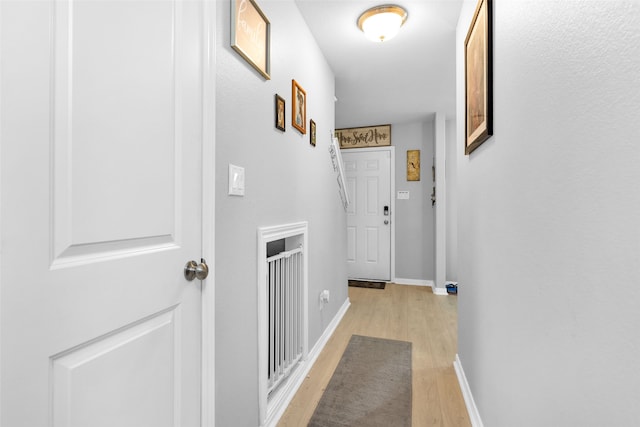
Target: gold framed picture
(280,113)
(298,107)
(250,35)
(478,54)
(413,165)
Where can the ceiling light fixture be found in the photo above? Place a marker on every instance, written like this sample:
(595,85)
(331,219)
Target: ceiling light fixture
(382,23)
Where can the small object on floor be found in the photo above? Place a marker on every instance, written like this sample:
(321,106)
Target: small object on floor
(366,284)
(452,289)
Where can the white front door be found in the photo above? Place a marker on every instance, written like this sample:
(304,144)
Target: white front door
(101,132)
(368,177)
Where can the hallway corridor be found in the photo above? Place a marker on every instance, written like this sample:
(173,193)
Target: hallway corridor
(405,313)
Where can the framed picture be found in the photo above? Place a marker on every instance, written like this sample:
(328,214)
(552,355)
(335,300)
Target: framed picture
(478,54)
(299,107)
(312,133)
(369,136)
(413,165)
(250,35)
(280,113)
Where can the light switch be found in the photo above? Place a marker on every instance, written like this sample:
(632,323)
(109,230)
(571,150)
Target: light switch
(403,195)
(236,180)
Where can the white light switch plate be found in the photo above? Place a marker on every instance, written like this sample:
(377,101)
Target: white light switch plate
(236,180)
(403,195)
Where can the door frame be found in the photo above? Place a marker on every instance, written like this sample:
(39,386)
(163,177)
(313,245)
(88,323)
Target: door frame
(392,200)
(208,214)
(208,386)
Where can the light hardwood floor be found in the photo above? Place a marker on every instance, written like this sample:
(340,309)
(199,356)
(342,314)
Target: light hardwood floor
(407,313)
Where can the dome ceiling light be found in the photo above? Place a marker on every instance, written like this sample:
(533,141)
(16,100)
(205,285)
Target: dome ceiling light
(382,23)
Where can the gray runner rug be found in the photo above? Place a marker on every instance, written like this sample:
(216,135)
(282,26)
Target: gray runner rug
(371,386)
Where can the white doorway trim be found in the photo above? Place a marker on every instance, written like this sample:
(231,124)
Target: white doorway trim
(392,188)
(441,205)
(208,213)
(1,210)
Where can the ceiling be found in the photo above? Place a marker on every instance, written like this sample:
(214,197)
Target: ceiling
(408,78)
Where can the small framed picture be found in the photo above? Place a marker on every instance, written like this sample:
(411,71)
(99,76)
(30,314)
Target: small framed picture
(280,113)
(312,133)
(299,107)
(413,165)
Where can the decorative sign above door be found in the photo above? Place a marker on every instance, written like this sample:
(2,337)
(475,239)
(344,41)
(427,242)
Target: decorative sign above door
(371,136)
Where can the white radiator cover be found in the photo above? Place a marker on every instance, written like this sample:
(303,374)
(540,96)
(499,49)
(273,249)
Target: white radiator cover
(282,310)
(284,315)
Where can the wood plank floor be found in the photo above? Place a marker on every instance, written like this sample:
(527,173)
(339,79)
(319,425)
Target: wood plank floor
(407,313)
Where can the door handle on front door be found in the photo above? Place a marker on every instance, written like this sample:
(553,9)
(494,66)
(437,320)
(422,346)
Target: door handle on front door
(193,270)
(386,222)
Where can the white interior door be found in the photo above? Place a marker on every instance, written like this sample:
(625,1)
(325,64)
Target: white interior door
(368,177)
(101,131)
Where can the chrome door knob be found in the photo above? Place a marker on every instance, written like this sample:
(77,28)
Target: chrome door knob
(193,270)
(386,222)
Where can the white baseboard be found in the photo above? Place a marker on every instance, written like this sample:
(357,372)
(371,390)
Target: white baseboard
(413,282)
(440,291)
(472,409)
(428,283)
(284,396)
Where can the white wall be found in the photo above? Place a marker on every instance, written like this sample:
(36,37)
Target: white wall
(414,218)
(287,180)
(549,212)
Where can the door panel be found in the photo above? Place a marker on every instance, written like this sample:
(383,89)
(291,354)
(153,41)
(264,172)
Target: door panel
(106,35)
(94,217)
(98,385)
(368,177)
(373,188)
(372,244)
(101,129)
(351,242)
(352,190)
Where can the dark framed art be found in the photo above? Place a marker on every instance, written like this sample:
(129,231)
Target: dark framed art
(298,107)
(312,133)
(478,56)
(250,35)
(280,112)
